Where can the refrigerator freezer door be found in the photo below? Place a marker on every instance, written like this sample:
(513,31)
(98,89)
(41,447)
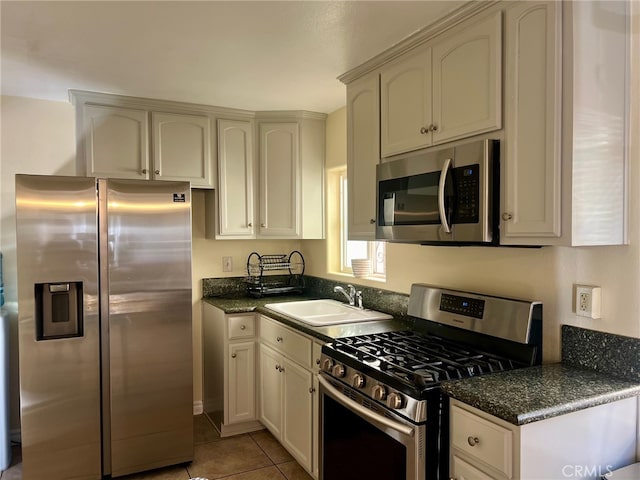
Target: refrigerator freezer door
(148,243)
(57,242)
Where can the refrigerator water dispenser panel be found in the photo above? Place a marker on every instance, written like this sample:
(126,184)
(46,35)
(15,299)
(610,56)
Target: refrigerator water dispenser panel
(58,310)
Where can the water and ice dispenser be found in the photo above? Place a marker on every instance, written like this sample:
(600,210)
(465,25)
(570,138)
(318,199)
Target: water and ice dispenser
(58,310)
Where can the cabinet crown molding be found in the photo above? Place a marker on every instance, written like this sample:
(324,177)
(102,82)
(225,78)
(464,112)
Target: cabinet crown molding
(78,97)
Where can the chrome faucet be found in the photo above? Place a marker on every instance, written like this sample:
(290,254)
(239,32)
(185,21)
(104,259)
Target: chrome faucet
(351,296)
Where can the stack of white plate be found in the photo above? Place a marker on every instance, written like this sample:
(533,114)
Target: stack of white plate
(361,267)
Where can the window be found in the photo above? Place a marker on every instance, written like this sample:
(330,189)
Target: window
(352,249)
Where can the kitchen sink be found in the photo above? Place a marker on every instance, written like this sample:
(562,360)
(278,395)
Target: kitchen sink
(325,312)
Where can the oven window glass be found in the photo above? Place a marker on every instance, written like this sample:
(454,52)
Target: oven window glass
(353,448)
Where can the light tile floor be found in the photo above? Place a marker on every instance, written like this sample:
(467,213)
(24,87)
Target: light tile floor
(254,456)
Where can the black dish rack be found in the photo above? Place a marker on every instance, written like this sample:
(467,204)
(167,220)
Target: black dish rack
(263,278)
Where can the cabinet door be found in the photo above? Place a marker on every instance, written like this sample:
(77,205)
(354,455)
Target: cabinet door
(531,164)
(128,157)
(279,180)
(405,102)
(363,154)
(235,179)
(241,382)
(271,390)
(461,470)
(182,148)
(297,408)
(467,81)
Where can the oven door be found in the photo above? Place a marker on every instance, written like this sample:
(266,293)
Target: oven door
(358,442)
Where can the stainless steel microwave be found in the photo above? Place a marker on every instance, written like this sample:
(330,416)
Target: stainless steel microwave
(448,196)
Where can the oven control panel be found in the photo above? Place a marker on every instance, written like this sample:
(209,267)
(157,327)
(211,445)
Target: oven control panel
(471,307)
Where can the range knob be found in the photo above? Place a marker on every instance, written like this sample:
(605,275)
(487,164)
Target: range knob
(338,370)
(394,400)
(327,365)
(379,392)
(357,381)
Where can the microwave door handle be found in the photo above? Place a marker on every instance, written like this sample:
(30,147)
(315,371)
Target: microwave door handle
(441,184)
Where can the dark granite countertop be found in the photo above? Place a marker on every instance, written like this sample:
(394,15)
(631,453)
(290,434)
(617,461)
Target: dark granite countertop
(531,394)
(244,304)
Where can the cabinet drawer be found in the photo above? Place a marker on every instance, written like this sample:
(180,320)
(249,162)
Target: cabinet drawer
(286,341)
(241,326)
(484,440)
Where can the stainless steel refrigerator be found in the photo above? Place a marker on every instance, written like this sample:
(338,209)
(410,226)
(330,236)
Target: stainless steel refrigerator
(104,298)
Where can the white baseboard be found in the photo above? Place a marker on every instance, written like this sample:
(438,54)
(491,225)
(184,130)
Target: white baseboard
(198,408)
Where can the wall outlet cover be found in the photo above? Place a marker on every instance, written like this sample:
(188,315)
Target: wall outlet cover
(588,301)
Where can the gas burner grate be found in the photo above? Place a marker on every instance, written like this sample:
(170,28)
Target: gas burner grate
(418,360)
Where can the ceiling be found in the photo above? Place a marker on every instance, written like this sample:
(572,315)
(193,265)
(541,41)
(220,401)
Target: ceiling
(256,55)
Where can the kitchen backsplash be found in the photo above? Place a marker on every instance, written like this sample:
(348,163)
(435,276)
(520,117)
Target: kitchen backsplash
(373,298)
(604,352)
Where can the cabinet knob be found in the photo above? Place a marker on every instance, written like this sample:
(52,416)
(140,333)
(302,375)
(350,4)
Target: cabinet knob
(243,327)
(280,369)
(433,128)
(277,367)
(473,441)
(425,130)
(279,339)
(144,171)
(317,361)
(262,225)
(507,216)
(157,172)
(311,390)
(249,224)
(372,221)
(233,355)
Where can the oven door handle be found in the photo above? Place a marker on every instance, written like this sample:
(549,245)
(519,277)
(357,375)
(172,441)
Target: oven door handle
(365,412)
(441,185)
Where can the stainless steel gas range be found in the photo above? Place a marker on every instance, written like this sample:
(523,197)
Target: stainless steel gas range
(382,414)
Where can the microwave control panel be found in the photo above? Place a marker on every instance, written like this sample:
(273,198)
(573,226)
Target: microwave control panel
(467,194)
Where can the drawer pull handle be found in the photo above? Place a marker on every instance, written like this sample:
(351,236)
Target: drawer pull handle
(311,390)
(473,441)
(278,339)
(233,355)
(243,327)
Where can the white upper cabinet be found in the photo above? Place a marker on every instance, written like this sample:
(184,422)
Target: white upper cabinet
(531,165)
(236,179)
(564,168)
(291,172)
(406,103)
(363,154)
(128,157)
(467,81)
(279,180)
(127,137)
(446,89)
(182,148)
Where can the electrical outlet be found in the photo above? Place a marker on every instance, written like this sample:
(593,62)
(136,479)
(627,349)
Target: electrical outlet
(588,299)
(227,264)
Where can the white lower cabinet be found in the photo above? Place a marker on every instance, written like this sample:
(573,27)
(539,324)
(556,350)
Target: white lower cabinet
(229,370)
(583,444)
(288,391)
